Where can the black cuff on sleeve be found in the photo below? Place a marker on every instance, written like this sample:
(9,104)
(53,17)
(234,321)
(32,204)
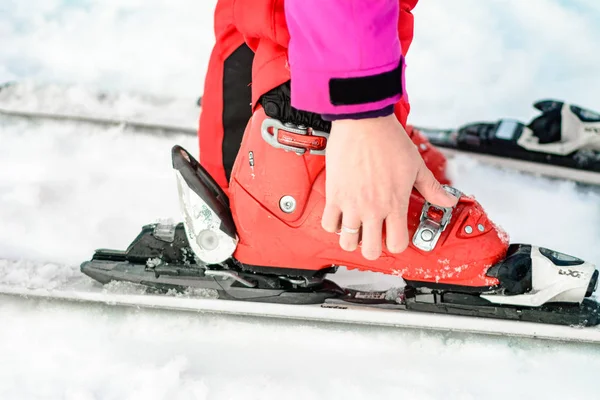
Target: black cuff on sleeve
(366,89)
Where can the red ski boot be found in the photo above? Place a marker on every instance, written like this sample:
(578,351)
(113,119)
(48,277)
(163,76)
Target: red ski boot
(277,194)
(264,243)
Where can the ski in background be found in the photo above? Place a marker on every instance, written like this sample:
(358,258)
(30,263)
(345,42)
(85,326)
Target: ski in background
(563,142)
(76,104)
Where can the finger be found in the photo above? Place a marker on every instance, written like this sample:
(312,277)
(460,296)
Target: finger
(330,221)
(349,240)
(372,238)
(432,190)
(396,232)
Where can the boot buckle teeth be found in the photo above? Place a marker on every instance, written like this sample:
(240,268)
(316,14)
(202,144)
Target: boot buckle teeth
(290,137)
(433,222)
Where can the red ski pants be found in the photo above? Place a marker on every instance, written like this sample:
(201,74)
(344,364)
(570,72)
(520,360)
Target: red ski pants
(249,58)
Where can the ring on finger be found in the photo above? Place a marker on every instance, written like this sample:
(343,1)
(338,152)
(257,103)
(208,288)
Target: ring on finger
(351,231)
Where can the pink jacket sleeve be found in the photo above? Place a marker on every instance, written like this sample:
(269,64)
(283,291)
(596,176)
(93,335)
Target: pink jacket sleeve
(344,55)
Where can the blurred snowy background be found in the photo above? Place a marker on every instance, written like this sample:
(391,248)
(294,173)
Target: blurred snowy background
(469,59)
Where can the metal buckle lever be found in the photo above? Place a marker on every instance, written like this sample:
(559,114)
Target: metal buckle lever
(429,230)
(295,138)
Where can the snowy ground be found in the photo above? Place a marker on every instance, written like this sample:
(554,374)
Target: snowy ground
(52,351)
(68,189)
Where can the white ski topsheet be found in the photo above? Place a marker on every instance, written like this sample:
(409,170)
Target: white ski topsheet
(80,289)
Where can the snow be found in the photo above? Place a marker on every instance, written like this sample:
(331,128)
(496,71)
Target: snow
(66,189)
(98,352)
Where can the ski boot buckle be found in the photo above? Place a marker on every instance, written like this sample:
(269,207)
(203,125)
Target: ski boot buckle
(296,138)
(433,222)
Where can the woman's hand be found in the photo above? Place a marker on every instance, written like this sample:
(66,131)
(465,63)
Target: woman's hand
(372,166)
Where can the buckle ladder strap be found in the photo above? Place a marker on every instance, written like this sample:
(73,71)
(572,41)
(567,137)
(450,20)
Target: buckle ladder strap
(290,137)
(433,222)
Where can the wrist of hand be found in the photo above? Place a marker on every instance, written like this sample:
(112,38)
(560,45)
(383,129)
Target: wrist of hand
(352,128)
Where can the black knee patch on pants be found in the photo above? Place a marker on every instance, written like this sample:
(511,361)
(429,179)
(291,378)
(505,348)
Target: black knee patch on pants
(237,99)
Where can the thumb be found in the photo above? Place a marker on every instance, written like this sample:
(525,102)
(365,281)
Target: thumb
(432,190)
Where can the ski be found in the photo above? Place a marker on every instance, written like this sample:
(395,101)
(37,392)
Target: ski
(160,257)
(105,121)
(563,142)
(545,290)
(130,111)
(330,311)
